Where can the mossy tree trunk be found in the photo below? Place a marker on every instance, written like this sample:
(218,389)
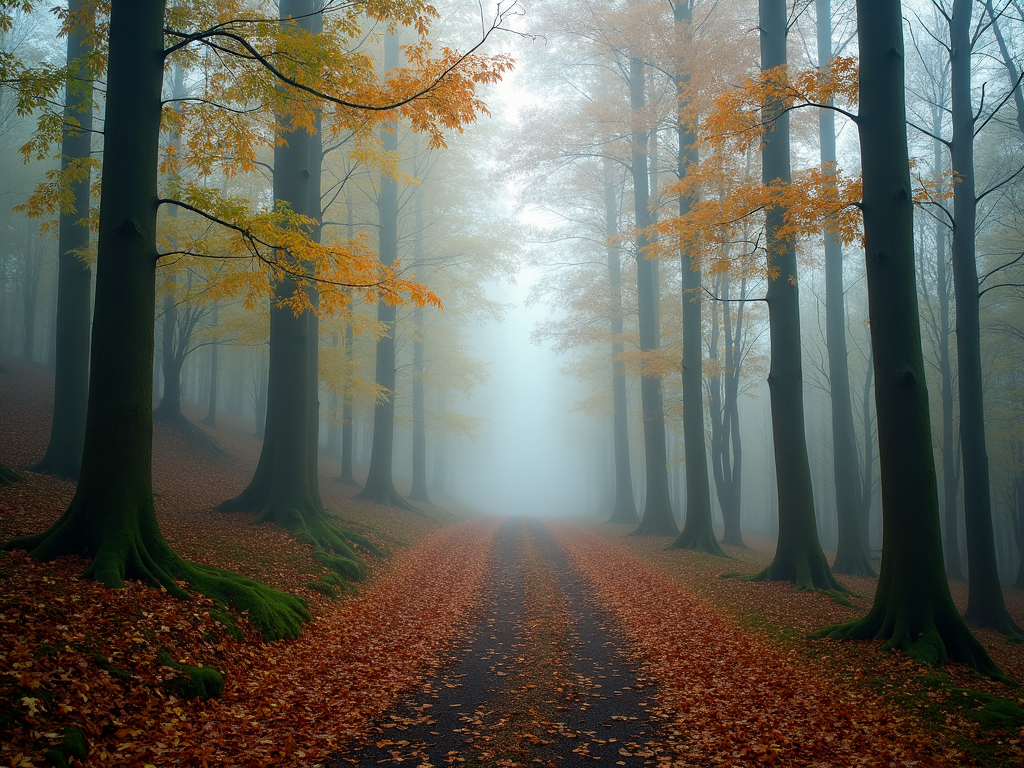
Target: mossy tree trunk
(913,610)
(63,456)
(624,507)
(111,517)
(657,518)
(798,554)
(851,552)
(698,531)
(380,484)
(285,488)
(985,605)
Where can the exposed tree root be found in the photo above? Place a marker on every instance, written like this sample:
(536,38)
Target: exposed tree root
(853,564)
(656,522)
(139,552)
(386,495)
(202,440)
(9,476)
(624,514)
(700,540)
(808,574)
(930,634)
(1000,622)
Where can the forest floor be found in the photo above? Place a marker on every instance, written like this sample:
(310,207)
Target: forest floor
(478,642)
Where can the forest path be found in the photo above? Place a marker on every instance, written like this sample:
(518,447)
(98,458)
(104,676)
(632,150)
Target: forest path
(541,681)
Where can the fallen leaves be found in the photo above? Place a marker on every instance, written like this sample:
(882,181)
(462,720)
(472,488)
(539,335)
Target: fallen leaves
(728,697)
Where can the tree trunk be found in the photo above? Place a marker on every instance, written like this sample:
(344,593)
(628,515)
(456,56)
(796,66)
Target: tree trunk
(347,425)
(624,507)
(63,455)
(698,531)
(285,487)
(657,518)
(950,478)
(866,477)
(726,448)
(380,485)
(913,610)
(419,427)
(851,554)
(211,413)
(111,517)
(798,555)
(170,365)
(985,606)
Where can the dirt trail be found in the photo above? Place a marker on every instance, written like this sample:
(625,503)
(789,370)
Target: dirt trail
(539,682)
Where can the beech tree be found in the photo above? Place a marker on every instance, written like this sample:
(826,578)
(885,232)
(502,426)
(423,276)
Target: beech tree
(111,516)
(913,609)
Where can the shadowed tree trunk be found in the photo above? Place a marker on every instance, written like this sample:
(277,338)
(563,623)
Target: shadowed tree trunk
(698,531)
(913,610)
(111,517)
(380,484)
(985,606)
(624,508)
(851,552)
(798,554)
(63,456)
(866,476)
(950,476)
(285,488)
(657,518)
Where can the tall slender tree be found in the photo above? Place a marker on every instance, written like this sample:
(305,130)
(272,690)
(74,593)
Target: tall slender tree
(63,456)
(624,507)
(985,604)
(798,554)
(657,518)
(380,484)
(698,532)
(285,487)
(851,552)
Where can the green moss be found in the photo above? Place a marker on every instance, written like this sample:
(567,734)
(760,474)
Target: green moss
(9,476)
(323,588)
(106,665)
(228,622)
(194,682)
(72,744)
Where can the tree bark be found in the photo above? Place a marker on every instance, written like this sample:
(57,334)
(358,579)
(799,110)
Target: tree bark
(63,456)
(624,507)
(657,518)
(798,555)
(985,605)
(913,610)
